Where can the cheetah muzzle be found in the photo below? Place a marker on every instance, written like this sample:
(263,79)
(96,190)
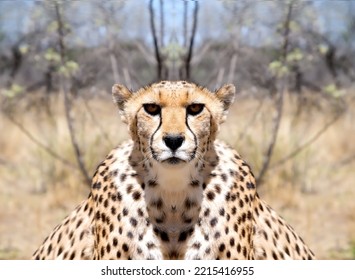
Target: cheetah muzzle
(173,191)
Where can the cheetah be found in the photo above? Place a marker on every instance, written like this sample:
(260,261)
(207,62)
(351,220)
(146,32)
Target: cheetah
(173,191)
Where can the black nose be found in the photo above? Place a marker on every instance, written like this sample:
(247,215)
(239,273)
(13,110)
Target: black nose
(173,141)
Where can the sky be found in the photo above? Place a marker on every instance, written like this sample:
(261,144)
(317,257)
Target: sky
(17,16)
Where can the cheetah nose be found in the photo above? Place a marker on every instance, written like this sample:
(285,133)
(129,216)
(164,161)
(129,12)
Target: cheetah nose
(173,141)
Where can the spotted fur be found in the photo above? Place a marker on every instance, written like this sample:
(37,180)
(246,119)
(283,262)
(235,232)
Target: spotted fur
(173,191)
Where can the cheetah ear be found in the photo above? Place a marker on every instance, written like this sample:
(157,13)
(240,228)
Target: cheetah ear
(226,94)
(120,96)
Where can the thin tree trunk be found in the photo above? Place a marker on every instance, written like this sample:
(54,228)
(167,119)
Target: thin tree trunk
(67,102)
(155,41)
(280,99)
(191,43)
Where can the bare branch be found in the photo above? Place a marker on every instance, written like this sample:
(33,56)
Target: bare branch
(309,142)
(280,101)
(232,67)
(185,24)
(192,40)
(162,24)
(67,104)
(38,143)
(155,40)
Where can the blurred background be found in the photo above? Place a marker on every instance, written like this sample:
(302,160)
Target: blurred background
(293,120)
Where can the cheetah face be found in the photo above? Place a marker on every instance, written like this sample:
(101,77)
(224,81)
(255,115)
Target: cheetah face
(173,122)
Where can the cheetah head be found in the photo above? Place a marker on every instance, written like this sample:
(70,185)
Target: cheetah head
(173,122)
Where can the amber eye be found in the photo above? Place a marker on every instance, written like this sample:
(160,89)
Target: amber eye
(152,109)
(195,109)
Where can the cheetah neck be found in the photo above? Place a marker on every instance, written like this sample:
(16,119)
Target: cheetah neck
(174,195)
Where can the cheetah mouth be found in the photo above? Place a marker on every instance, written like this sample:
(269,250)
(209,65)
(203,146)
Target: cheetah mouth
(173,160)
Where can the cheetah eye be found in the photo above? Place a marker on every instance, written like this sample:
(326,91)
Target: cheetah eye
(195,109)
(152,109)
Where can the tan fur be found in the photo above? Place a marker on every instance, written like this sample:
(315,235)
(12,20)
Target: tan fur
(173,191)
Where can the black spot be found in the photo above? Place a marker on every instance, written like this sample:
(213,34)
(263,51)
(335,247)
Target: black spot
(150,245)
(239,248)
(265,235)
(217,188)
(159,220)
(140,212)
(115,241)
(274,256)
(125,247)
(125,211)
(287,251)
(196,245)
(208,250)
(72,256)
(231,241)
(222,247)
(207,212)
(183,236)
(130,235)
(152,183)
(164,236)
(297,249)
(224,177)
(113,210)
(143,186)
(261,207)
(96,185)
(129,189)
(108,248)
(245,252)
(133,222)
(59,237)
(268,223)
(226,230)
(210,195)
(221,211)
(213,222)
(241,203)
(49,250)
(118,254)
(189,203)
(217,235)
(235,227)
(194,183)
(204,186)
(157,203)
(123,177)
(136,195)
(250,185)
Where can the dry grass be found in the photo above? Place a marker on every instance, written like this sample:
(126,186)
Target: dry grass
(312,191)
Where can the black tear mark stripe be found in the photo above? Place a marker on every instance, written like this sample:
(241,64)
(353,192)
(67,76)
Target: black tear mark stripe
(152,137)
(195,138)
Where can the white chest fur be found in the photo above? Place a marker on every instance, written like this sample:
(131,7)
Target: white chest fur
(173,197)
